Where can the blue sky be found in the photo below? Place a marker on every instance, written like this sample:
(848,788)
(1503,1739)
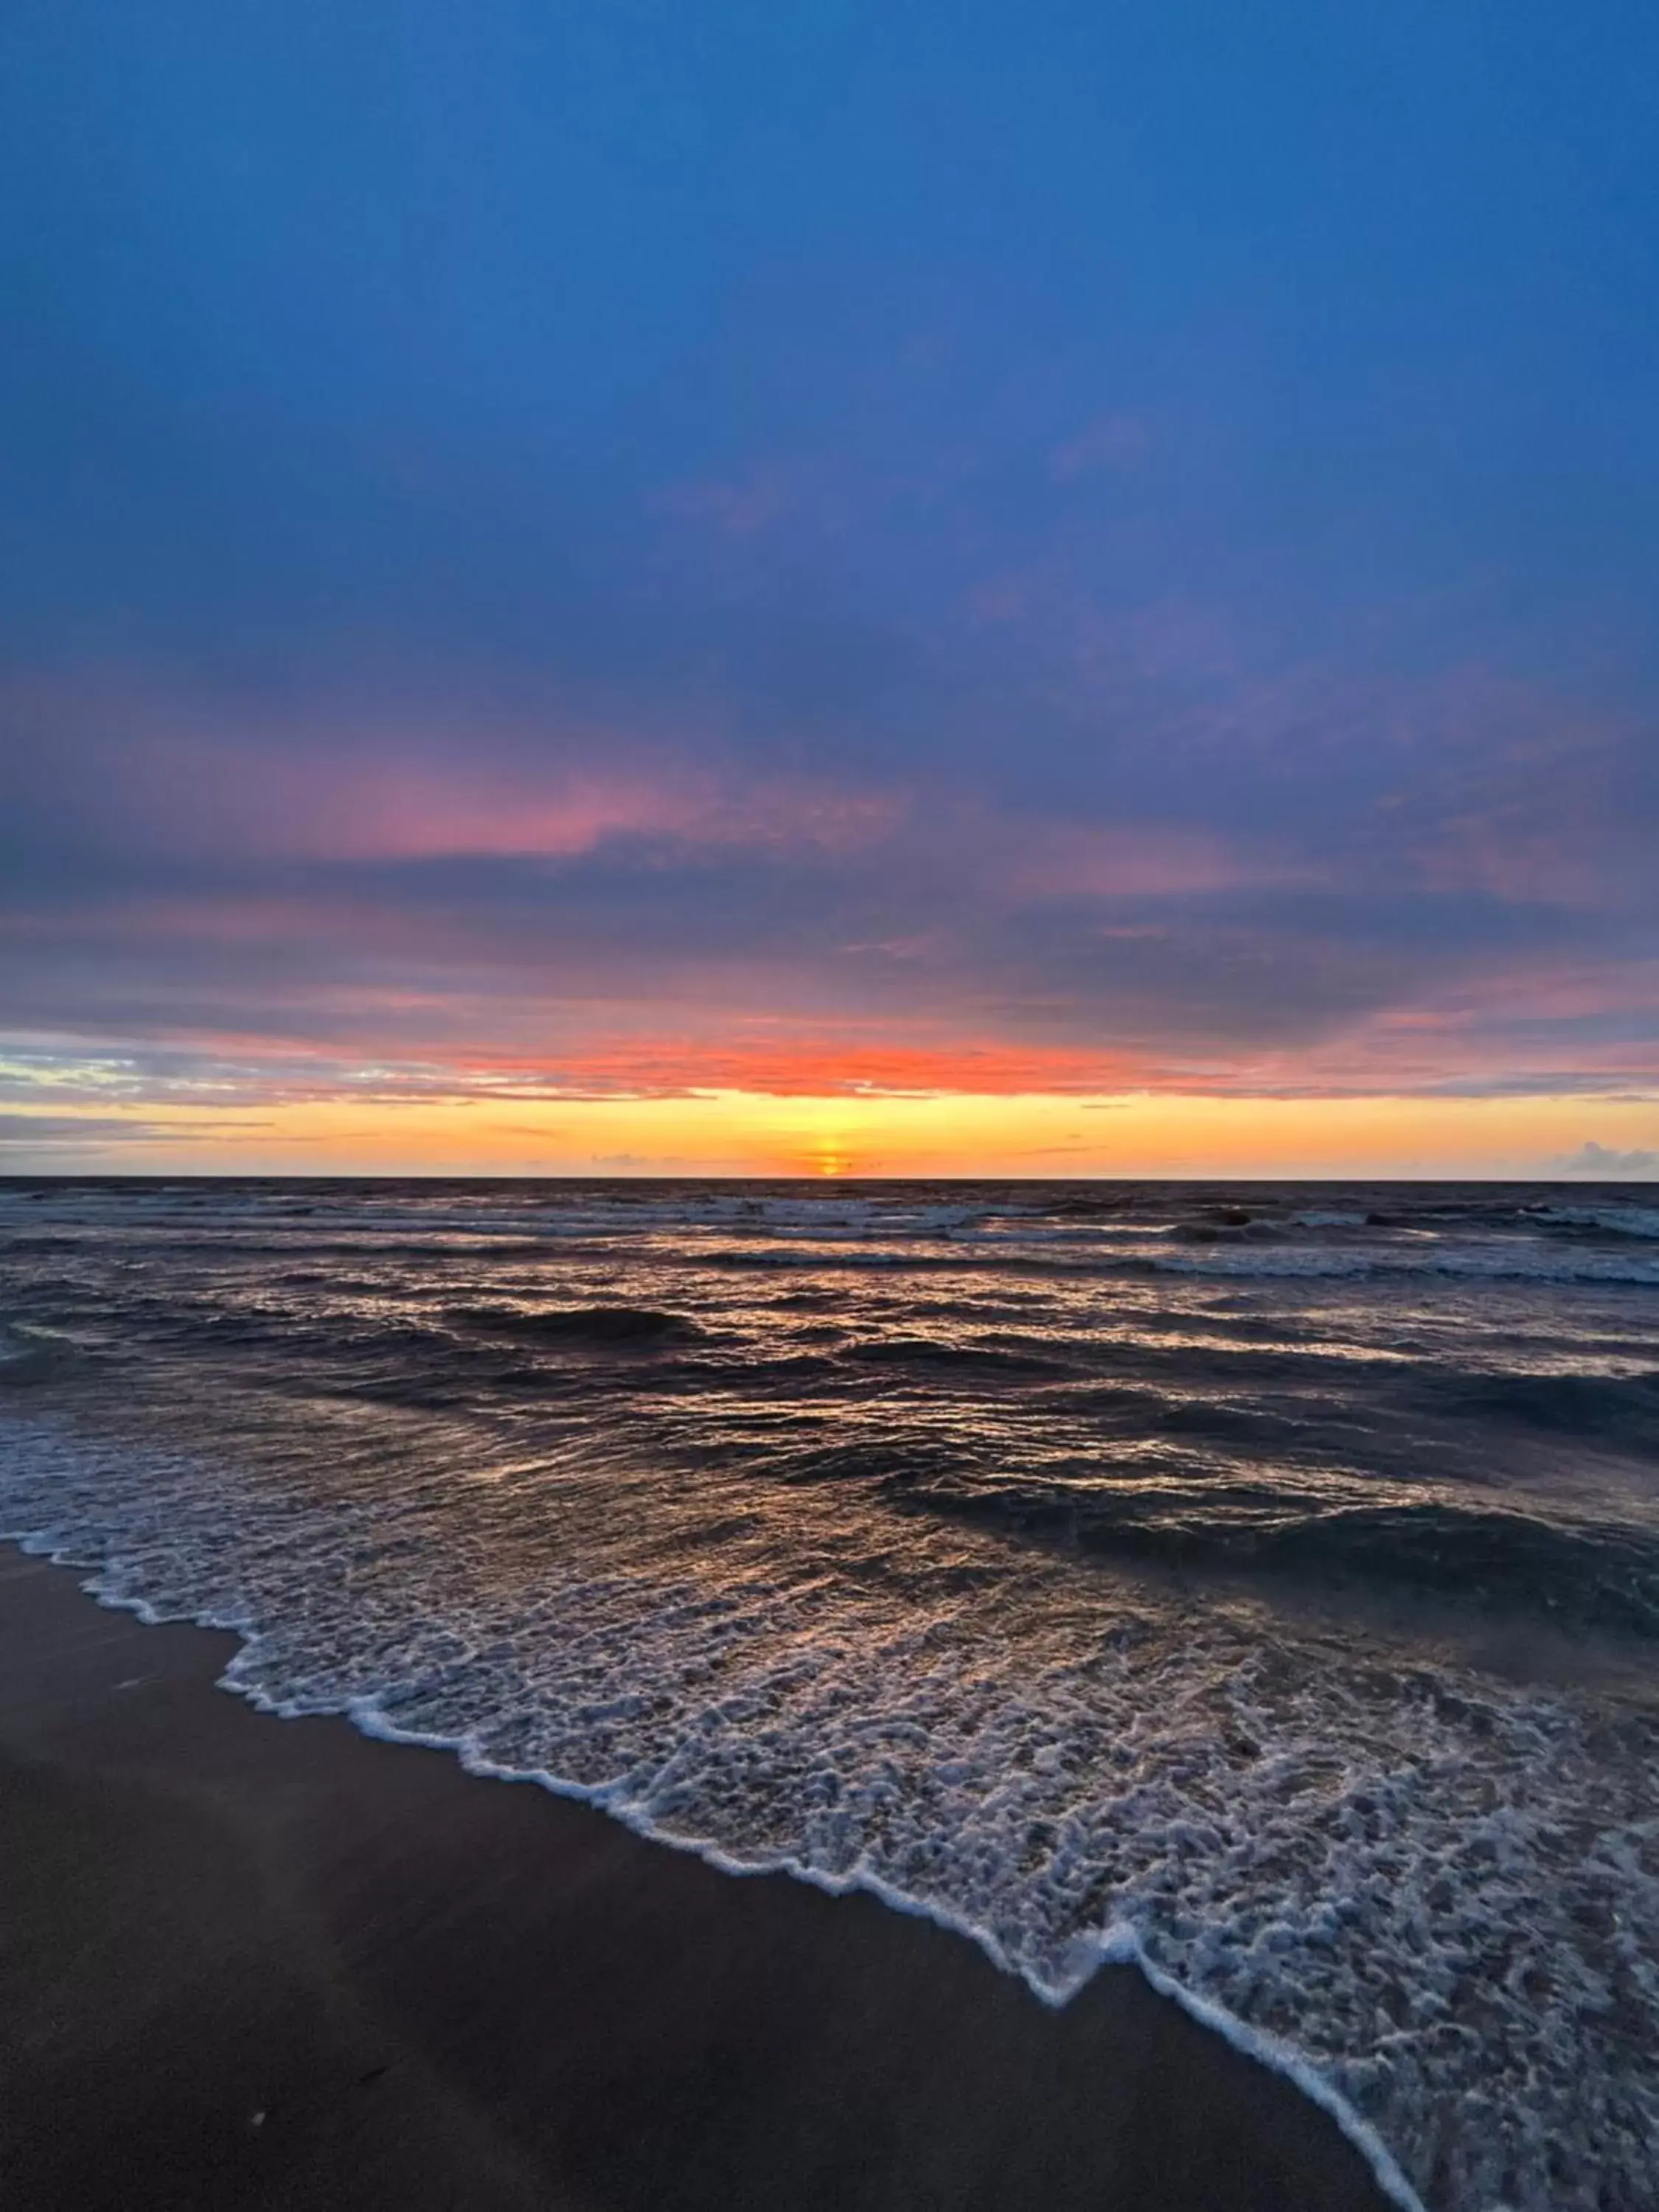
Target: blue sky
(628,548)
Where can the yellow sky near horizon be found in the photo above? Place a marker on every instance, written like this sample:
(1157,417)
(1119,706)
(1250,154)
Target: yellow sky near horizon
(740,1132)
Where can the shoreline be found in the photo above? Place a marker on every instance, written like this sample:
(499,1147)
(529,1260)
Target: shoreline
(299,1966)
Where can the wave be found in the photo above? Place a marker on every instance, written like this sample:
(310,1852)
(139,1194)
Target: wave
(31,1356)
(928,1355)
(1602,1575)
(1223,1256)
(1519,1264)
(577,1325)
(1224,1227)
(1614,1407)
(1610,1220)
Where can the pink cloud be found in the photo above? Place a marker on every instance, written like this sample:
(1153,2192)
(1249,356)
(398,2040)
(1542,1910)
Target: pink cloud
(335,785)
(382,809)
(947,943)
(1134,859)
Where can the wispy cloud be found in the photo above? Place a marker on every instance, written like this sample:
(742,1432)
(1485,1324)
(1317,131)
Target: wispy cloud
(101,1133)
(1605,1161)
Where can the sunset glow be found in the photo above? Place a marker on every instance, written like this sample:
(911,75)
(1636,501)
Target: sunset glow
(1033,655)
(745,1133)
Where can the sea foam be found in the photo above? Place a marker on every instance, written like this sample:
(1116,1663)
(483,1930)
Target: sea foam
(1327,1865)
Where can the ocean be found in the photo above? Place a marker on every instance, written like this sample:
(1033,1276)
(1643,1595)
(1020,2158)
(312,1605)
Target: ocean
(1259,1581)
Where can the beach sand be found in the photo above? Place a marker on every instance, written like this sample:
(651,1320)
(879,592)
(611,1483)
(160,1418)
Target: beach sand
(245,1962)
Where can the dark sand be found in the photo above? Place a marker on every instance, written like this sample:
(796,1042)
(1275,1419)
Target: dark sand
(245,1962)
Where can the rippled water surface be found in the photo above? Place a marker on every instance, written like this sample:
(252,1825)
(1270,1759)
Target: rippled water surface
(1263,1578)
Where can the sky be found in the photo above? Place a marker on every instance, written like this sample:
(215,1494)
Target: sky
(798,585)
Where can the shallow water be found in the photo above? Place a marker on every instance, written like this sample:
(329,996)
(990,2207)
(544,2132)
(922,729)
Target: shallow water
(1265,1578)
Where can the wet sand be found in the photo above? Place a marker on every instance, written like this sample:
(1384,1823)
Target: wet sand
(245,1962)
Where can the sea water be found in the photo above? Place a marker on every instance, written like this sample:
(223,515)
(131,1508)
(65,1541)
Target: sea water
(1259,1581)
